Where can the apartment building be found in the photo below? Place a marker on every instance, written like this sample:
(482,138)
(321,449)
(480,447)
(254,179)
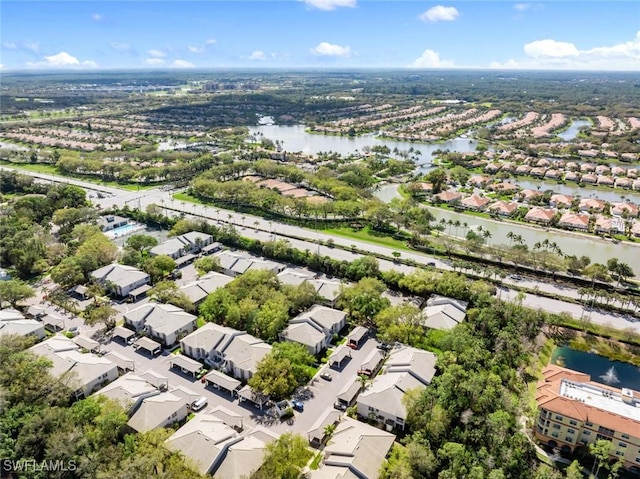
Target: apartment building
(575,411)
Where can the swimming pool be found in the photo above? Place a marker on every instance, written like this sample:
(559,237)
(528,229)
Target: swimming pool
(124,230)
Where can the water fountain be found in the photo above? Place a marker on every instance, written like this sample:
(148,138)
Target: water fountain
(610,377)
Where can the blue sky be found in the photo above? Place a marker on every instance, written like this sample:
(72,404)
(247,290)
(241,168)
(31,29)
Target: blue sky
(591,35)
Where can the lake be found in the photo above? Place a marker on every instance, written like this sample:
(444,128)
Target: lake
(623,375)
(295,138)
(573,130)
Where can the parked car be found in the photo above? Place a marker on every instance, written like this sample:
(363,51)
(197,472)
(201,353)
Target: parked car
(340,406)
(199,404)
(385,346)
(326,376)
(432,264)
(297,405)
(515,277)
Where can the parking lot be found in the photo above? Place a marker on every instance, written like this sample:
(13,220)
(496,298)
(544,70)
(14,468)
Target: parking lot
(317,397)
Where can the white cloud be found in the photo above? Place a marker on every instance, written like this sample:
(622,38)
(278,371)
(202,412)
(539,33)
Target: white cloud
(194,49)
(552,54)
(96,17)
(439,14)
(211,41)
(9,46)
(31,46)
(550,49)
(1,66)
(182,64)
(154,61)
(430,59)
(330,4)
(521,7)
(157,53)
(120,46)
(62,60)
(258,55)
(330,50)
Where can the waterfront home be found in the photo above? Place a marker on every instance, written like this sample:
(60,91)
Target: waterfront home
(503,208)
(448,196)
(632,173)
(618,171)
(591,205)
(479,181)
(504,187)
(602,170)
(553,174)
(523,170)
(493,167)
(571,166)
(574,221)
(623,183)
(589,178)
(561,201)
(635,229)
(574,411)
(620,208)
(605,181)
(543,162)
(540,215)
(527,195)
(572,176)
(475,203)
(538,172)
(629,157)
(636,184)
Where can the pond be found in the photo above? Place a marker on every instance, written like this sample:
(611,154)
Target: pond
(295,138)
(573,130)
(601,369)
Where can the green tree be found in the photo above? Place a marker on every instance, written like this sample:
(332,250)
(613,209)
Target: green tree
(274,377)
(207,263)
(68,273)
(169,292)
(284,458)
(101,314)
(141,243)
(363,300)
(438,178)
(13,291)
(600,450)
(158,267)
(363,267)
(301,361)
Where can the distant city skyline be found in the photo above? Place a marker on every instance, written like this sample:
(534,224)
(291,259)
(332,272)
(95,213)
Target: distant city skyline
(94,35)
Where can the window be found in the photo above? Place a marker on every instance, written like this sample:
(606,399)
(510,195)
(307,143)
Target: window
(586,433)
(556,426)
(571,431)
(619,453)
(568,439)
(559,418)
(622,444)
(606,431)
(554,434)
(625,436)
(573,423)
(588,424)
(638,460)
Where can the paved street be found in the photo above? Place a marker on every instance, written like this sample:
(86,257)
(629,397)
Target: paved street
(255,227)
(320,396)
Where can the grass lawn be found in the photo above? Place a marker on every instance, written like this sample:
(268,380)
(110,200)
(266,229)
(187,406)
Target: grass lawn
(52,170)
(369,236)
(188,198)
(535,370)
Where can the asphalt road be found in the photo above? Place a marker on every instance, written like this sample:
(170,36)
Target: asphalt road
(259,228)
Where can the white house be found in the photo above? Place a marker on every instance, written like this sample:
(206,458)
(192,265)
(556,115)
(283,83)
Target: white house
(179,246)
(226,349)
(164,322)
(13,322)
(160,410)
(234,263)
(406,369)
(122,280)
(244,457)
(205,440)
(314,328)
(84,373)
(198,290)
(443,313)
(356,450)
(129,390)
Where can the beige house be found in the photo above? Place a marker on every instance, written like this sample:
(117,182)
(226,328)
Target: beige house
(575,411)
(164,322)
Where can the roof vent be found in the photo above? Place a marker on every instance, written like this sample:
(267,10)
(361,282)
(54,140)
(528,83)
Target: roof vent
(627,396)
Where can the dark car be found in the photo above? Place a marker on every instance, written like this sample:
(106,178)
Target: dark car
(384,346)
(297,405)
(340,406)
(326,376)
(432,264)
